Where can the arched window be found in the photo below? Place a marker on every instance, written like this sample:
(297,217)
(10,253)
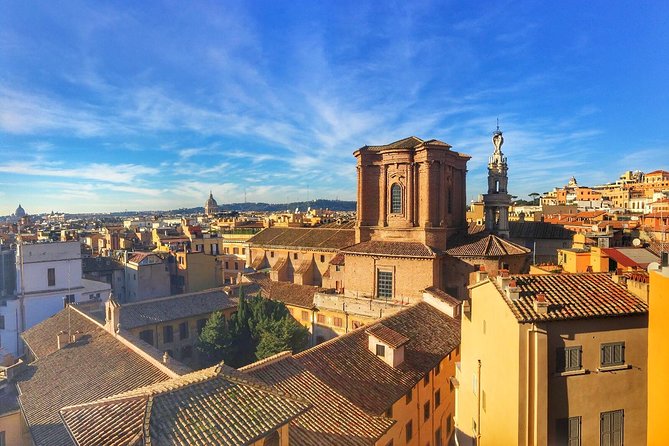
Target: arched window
(396,199)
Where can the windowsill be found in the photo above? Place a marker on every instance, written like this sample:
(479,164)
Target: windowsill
(573,372)
(613,368)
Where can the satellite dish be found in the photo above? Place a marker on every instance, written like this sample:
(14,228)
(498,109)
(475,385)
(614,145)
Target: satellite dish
(595,228)
(653,266)
(636,242)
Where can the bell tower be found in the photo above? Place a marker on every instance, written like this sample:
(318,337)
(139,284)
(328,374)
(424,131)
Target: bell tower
(497,201)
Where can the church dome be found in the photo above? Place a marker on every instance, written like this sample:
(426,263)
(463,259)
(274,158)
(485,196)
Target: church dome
(20,212)
(211,206)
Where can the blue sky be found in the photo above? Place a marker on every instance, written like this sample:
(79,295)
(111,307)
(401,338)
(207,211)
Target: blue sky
(149,105)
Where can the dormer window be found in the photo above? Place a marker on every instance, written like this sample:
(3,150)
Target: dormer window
(387,344)
(395,199)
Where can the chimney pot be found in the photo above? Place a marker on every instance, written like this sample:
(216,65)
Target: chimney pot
(166,358)
(540,303)
(62,339)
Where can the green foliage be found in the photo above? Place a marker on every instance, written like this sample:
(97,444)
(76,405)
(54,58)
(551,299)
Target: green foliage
(260,328)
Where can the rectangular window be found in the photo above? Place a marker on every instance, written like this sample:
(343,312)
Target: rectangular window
(569,431)
(168,334)
(408,429)
(200,325)
(3,440)
(426,379)
(305,315)
(338,322)
(613,354)
(2,322)
(322,258)
(146,336)
(294,256)
(611,427)
(408,397)
(569,358)
(437,437)
(271,254)
(437,369)
(183,330)
(227,265)
(235,250)
(51,276)
(69,298)
(426,411)
(320,318)
(381,350)
(437,398)
(389,412)
(236,265)
(384,284)
(449,425)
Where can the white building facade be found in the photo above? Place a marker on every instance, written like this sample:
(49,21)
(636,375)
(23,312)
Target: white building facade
(48,276)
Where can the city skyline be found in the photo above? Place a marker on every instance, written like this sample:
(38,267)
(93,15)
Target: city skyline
(150,107)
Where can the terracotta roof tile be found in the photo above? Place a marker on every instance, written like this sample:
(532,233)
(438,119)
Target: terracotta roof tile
(217,405)
(312,238)
(443,296)
(347,365)
(103,367)
(573,296)
(332,420)
(170,308)
(488,246)
(394,249)
(387,335)
(286,292)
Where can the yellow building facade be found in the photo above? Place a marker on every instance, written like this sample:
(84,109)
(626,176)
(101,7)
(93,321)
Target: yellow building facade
(533,375)
(658,356)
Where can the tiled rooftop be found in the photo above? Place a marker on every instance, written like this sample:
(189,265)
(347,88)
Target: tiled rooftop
(181,306)
(97,366)
(530,230)
(393,249)
(632,257)
(346,364)
(387,335)
(332,420)
(312,238)
(214,406)
(286,292)
(488,246)
(573,296)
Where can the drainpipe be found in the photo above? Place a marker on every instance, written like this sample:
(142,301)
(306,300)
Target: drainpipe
(478,403)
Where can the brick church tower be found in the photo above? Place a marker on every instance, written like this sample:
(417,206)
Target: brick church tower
(497,201)
(411,190)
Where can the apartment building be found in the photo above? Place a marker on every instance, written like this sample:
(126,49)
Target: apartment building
(552,359)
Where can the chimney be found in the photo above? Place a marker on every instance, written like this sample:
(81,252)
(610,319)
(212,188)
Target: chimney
(665,259)
(77,335)
(503,278)
(481,274)
(540,303)
(112,314)
(61,338)
(512,290)
(166,358)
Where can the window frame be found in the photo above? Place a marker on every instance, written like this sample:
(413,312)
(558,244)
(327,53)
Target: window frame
(396,198)
(615,437)
(168,334)
(569,359)
(380,350)
(184,333)
(612,347)
(408,431)
(384,284)
(51,276)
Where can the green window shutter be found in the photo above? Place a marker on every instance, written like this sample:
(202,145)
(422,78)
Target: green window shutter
(574,431)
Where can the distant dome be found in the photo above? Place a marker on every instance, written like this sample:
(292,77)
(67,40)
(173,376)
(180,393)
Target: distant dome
(20,212)
(210,207)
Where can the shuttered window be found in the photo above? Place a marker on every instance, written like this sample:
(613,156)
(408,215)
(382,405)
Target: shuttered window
(569,431)
(569,359)
(611,428)
(613,354)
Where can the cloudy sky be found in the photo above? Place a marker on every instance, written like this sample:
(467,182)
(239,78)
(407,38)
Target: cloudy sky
(148,105)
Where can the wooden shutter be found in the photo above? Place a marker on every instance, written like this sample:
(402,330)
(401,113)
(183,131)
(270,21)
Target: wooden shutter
(605,429)
(574,431)
(617,427)
(618,353)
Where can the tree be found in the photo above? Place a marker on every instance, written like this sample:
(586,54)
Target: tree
(534,196)
(260,328)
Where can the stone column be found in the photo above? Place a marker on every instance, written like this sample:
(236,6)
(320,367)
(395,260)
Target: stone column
(443,196)
(410,199)
(383,192)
